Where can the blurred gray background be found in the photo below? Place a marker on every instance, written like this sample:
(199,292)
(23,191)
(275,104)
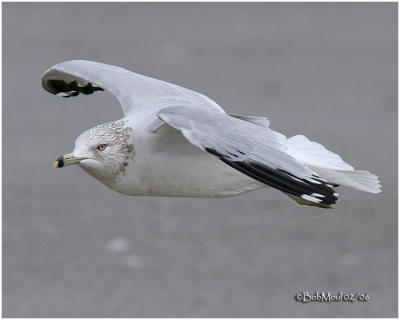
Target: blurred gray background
(73,248)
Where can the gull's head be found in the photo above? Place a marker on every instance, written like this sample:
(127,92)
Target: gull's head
(103,151)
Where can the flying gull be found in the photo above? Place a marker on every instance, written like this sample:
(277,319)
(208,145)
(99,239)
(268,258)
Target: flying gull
(174,142)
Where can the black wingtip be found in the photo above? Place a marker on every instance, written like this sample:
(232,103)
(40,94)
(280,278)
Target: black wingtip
(315,190)
(71,89)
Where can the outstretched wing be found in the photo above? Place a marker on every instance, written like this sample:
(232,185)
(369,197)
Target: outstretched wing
(70,78)
(251,149)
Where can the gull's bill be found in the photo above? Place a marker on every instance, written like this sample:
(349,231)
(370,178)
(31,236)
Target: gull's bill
(66,160)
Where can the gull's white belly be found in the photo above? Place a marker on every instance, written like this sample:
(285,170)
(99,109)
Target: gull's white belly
(197,174)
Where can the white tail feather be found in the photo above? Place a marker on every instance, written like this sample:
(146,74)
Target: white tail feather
(358,179)
(330,166)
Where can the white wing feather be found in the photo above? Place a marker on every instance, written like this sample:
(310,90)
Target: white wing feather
(314,154)
(260,121)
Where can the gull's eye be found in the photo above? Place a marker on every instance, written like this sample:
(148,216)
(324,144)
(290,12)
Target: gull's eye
(101,147)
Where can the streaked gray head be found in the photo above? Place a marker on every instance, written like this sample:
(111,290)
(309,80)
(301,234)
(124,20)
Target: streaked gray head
(103,151)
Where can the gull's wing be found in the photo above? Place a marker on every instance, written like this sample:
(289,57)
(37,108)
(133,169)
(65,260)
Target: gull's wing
(251,149)
(70,78)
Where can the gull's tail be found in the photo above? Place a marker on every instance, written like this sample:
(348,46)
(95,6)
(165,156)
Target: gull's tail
(330,166)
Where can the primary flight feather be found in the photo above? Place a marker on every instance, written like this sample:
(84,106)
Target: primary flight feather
(174,142)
